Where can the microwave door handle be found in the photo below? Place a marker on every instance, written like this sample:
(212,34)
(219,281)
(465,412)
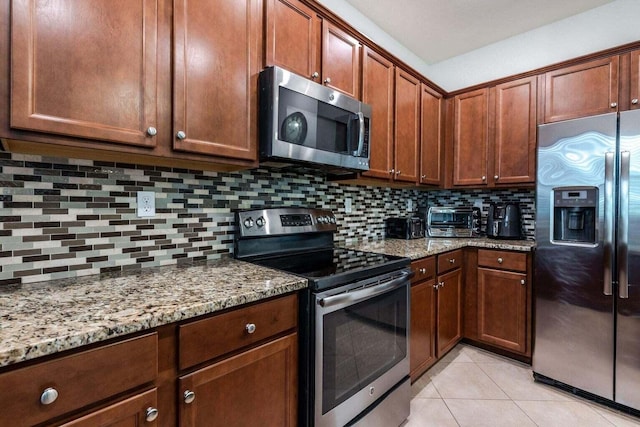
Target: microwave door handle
(358,152)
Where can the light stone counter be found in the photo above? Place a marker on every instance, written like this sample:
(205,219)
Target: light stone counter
(42,319)
(420,248)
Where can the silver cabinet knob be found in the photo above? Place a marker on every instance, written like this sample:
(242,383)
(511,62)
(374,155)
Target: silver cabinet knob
(614,104)
(189,396)
(327,80)
(151,131)
(151,414)
(422,270)
(441,284)
(452,261)
(634,101)
(181,135)
(495,177)
(484,178)
(48,396)
(436,286)
(500,260)
(250,328)
(392,171)
(315,75)
(423,176)
(522,282)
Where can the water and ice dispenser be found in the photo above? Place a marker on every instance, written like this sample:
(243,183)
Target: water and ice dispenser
(575,211)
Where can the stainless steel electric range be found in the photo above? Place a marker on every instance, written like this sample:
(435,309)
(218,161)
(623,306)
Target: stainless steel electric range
(354,317)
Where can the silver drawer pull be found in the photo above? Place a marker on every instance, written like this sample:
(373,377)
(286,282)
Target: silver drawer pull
(452,261)
(250,328)
(48,396)
(189,396)
(151,414)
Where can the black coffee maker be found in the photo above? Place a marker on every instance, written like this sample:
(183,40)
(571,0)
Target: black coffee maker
(503,221)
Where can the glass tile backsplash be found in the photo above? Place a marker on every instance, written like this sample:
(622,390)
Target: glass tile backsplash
(62,218)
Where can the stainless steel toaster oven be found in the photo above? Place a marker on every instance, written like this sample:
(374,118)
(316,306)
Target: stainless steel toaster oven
(453,221)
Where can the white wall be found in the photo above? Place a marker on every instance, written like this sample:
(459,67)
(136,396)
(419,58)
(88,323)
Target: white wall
(607,26)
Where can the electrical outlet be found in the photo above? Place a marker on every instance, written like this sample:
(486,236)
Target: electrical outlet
(409,205)
(347,205)
(146,203)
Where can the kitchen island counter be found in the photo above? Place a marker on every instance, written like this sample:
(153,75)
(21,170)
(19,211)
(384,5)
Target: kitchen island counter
(420,248)
(45,318)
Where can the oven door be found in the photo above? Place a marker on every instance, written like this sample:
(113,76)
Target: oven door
(362,335)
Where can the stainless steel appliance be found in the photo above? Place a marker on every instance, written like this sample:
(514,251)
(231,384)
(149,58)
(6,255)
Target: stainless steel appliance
(503,221)
(404,228)
(354,317)
(587,261)
(453,221)
(302,121)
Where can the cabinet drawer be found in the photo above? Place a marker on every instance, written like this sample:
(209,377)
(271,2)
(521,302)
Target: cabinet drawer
(449,261)
(206,339)
(516,261)
(79,379)
(423,269)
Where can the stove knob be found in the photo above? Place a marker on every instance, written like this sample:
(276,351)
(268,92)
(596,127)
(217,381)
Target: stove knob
(248,222)
(321,219)
(260,222)
(332,219)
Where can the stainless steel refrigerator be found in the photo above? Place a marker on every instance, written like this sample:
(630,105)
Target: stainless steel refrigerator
(587,260)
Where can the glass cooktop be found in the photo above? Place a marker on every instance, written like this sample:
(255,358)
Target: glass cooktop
(333,267)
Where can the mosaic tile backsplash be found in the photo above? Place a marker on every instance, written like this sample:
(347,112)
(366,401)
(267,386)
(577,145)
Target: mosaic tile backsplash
(62,218)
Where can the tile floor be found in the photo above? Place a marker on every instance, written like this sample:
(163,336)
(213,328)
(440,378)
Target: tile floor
(473,387)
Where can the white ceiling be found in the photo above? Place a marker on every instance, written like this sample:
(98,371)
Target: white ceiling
(436,30)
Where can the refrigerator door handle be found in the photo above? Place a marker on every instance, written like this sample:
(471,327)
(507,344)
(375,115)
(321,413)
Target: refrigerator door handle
(623,226)
(608,222)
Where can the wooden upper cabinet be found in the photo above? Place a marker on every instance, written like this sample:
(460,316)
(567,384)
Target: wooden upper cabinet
(73,72)
(292,41)
(407,126)
(581,90)
(340,60)
(431,137)
(216,66)
(514,141)
(470,138)
(377,91)
(635,80)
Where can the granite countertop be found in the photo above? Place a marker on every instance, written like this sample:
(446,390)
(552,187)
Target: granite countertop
(42,319)
(420,248)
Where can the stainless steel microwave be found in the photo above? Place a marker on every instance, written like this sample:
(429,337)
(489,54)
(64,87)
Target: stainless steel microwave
(303,121)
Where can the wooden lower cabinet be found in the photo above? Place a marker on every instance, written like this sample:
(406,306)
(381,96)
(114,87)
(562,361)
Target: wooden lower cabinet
(502,311)
(132,412)
(423,317)
(449,311)
(255,387)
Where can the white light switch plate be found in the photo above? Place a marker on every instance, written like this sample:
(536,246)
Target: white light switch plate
(146,203)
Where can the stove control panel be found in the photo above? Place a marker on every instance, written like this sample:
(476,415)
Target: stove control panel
(283,221)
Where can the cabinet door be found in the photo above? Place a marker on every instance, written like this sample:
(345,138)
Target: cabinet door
(635,80)
(104,87)
(515,132)
(449,312)
(255,388)
(470,138)
(423,332)
(340,60)
(216,65)
(132,412)
(293,32)
(582,90)
(430,136)
(502,308)
(377,91)
(407,130)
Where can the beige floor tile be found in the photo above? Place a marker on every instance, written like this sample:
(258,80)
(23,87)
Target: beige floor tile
(517,382)
(427,391)
(456,355)
(430,412)
(465,381)
(616,418)
(562,414)
(494,413)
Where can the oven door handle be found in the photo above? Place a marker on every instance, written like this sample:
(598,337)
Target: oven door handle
(366,293)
